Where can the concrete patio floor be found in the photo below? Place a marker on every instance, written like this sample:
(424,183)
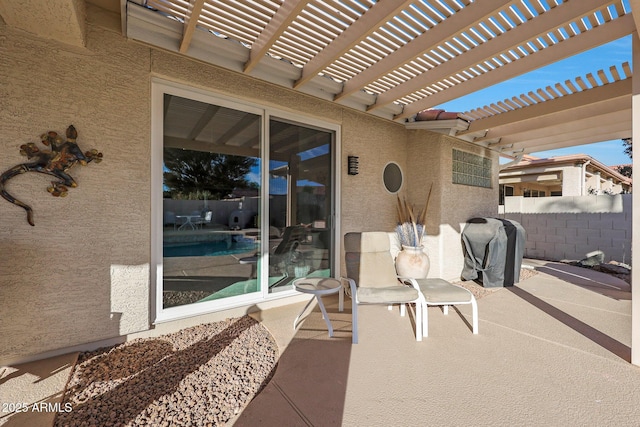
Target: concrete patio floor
(553,350)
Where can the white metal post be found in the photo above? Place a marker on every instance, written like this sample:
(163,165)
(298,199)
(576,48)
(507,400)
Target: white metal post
(635,241)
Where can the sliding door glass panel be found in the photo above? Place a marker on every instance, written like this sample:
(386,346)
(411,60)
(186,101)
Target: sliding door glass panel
(300,202)
(211,203)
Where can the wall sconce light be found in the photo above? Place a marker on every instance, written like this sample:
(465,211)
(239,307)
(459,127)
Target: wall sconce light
(353,165)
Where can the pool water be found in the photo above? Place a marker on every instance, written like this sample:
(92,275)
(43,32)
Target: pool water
(217,248)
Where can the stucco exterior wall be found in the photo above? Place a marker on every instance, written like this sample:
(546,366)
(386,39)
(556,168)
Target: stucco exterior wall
(451,205)
(609,187)
(572,180)
(366,204)
(82,274)
(593,183)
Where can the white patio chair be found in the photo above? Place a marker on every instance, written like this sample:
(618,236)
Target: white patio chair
(204,219)
(438,292)
(372,277)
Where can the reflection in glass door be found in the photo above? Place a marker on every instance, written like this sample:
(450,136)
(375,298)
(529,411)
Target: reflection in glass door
(247,202)
(211,201)
(300,202)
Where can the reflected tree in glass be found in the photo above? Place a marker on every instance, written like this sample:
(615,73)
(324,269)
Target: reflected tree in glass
(193,173)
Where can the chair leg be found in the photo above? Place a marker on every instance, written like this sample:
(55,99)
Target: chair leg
(419,321)
(403,309)
(354,311)
(474,306)
(354,321)
(445,309)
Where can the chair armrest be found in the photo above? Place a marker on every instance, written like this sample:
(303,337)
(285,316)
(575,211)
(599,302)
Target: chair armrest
(354,307)
(411,281)
(353,289)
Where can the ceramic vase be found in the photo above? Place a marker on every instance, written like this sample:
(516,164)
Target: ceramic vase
(412,262)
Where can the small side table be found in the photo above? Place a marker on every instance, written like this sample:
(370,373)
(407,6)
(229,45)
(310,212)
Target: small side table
(319,286)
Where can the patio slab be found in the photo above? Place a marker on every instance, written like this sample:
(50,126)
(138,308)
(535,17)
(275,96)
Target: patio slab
(553,350)
(31,393)
(549,352)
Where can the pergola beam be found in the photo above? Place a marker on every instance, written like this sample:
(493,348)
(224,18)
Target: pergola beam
(358,31)
(190,23)
(204,120)
(590,103)
(286,13)
(592,138)
(424,43)
(595,37)
(195,145)
(635,242)
(578,129)
(529,30)
(247,121)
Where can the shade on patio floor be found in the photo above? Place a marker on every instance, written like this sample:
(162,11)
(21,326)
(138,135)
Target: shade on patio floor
(554,350)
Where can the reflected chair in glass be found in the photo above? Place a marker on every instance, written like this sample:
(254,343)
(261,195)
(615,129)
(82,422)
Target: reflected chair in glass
(204,219)
(285,256)
(169,219)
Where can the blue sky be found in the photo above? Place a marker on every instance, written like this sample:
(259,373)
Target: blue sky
(601,58)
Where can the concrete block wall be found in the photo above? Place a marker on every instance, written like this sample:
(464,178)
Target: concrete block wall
(555,234)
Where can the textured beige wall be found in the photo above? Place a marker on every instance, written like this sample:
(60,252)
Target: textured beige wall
(366,204)
(451,205)
(63,20)
(82,273)
(572,179)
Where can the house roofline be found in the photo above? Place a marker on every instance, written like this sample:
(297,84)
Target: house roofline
(529,161)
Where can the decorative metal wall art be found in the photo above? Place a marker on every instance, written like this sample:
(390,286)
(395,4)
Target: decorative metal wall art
(56,162)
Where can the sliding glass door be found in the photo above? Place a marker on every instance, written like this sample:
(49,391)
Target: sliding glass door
(223,164)
(300,202)
(211,201)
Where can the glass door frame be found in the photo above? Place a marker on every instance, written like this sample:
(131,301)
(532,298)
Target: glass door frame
(333,224)
(159,87)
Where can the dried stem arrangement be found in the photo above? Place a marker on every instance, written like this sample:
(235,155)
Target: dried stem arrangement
(411,226)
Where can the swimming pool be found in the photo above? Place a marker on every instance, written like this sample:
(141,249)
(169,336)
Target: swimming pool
(217,248)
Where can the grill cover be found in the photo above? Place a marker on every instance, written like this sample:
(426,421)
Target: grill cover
(493,250)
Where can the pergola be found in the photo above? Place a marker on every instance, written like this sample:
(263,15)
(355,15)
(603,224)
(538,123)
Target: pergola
(394,59)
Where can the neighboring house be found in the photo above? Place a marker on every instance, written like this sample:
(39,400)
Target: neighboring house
(570,206)
(571,175)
